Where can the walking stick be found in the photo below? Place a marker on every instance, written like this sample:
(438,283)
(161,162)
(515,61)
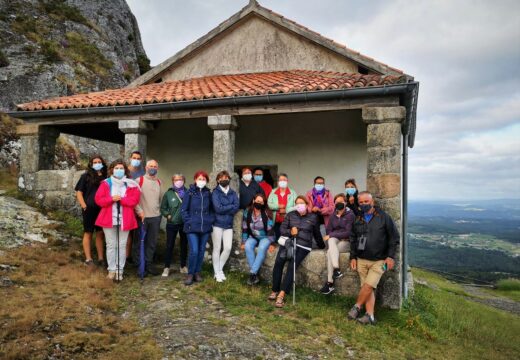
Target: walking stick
(294,272)
(142,235)
(117,239)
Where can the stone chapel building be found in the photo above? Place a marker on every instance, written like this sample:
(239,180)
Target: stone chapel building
(258,90)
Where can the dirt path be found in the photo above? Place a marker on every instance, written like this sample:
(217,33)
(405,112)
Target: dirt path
(501,303)
(188,325)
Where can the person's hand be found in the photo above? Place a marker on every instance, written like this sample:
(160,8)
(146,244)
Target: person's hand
(169,217)
(141,216)
(326,237)
(282,206)
(390,263)
(271,248)
(282,211)
(116,198)
(84,207)
(315,209)
(294,231)
(353,264)
(242,246)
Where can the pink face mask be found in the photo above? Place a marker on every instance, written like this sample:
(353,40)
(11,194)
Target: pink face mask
(301,208)
(178,184)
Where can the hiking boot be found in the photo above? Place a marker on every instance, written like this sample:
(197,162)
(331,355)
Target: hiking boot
(198,277)
(111,275)
(183,270)
(337,274)
(255,279)
(102,263)
(367,320)
(250,280)
(152,271)
(327,289)
(89,263)
(189,280)
(353,314)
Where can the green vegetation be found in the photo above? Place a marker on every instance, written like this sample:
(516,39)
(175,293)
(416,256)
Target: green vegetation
(79,50)
(509,288)
(143,62)
(486,265)
(4,61)
(59,10)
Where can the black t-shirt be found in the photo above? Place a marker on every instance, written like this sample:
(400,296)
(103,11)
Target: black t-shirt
(88,189)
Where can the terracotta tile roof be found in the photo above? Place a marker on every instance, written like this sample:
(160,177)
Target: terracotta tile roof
(218,86)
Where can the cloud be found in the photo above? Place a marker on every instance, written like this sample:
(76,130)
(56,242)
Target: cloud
(465,54)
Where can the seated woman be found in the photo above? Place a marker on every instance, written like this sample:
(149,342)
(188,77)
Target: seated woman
(303,225)
(256,233)
(117,197)
(351,192)
(338,233)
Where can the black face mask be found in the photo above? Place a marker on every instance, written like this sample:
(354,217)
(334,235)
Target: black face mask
(258,206)
(340,206)
(224,183)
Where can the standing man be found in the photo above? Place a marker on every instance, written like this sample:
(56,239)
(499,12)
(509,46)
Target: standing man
(149,211)
(136,170)
(373,246)
(248,188)
(258,175)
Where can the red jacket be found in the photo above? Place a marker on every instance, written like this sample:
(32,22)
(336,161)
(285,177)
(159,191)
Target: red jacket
(266,187)
(128,203)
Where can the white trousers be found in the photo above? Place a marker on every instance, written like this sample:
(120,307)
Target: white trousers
(112,247)
(222,241)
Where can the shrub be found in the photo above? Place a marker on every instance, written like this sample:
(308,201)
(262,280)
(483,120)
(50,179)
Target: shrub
(51,51)
(60,10)
(81,51)
(144,63)
(509,285)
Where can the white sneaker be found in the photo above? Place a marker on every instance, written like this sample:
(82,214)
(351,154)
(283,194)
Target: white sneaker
(111,275)
(223,276)
(183,270)
(218,278)
(166,272)
(120,277)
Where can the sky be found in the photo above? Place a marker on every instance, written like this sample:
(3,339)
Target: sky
(464,53)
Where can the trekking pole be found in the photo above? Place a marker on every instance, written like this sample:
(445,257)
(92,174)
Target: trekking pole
(117,239)
(294,272)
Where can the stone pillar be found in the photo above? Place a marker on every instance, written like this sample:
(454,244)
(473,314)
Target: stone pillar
(135,136)
(38,147)
(384,147)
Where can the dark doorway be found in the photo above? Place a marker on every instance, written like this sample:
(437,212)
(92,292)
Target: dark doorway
(270,171)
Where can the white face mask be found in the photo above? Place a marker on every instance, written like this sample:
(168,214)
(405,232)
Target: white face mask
(282,184)
(247,177)
(201,183)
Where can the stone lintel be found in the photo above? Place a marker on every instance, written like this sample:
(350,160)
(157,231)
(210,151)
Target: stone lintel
(379,115)
(135,126)
(222,122)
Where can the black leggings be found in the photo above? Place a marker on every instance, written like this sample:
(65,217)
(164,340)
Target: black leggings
(289,275)
(171,234)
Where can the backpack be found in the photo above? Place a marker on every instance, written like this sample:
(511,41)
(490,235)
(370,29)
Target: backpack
(141,181)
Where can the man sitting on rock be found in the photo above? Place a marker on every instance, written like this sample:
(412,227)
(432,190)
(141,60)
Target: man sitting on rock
(373,247)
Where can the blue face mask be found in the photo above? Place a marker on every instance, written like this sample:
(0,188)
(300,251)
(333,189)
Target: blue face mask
(259,178)
(152,172)
(365,208)
(319,187)
(350,191)
(135,162)
(97,166)
(119,173)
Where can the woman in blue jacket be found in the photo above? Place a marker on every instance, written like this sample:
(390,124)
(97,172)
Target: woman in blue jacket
(225,205)
(197,214)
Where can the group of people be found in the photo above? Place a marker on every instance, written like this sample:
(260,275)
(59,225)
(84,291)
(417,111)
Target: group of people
(123,201)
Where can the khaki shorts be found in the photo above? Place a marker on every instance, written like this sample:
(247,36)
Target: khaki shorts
(370,272)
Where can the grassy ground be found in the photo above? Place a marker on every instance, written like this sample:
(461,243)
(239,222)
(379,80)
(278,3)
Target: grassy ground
(435,324)
(509,288)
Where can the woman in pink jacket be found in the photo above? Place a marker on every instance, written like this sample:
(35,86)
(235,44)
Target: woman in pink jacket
(117,196)
(321,201)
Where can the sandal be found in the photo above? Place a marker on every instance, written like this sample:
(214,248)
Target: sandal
(273,296)
(280,302)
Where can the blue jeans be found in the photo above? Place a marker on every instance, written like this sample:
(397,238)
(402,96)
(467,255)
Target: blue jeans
(197,243)
(256,260)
